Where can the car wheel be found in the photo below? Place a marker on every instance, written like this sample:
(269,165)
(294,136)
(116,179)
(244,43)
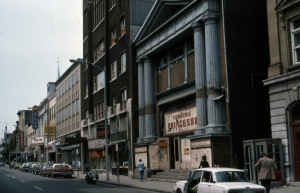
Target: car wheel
(178,191)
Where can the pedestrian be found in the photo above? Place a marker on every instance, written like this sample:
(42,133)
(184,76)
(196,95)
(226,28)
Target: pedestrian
(266,167)
(204,163)
(141,167)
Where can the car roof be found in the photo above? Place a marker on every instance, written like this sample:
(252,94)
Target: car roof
(218,169)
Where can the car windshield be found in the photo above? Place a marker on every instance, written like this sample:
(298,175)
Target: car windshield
(231,176)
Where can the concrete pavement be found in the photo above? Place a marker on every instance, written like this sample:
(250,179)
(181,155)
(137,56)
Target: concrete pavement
(167,187)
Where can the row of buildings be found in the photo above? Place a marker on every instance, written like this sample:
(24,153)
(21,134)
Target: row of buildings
(171,80)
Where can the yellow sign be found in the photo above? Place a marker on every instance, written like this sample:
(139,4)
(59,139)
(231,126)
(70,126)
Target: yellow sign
(49,130)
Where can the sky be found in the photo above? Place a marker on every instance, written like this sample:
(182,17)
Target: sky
(36,37)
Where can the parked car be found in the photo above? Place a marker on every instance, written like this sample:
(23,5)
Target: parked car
(25,167)
(59,169)
(34,168)
(1,164)
(217,179)
(16,166)
(44,169)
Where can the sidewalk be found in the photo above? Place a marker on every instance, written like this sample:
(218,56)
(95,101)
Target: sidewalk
(167,187)
(134,183)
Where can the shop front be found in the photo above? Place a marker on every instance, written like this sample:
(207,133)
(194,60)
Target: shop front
(96,149)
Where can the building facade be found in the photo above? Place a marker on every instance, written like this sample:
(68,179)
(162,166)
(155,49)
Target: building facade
(66,133)
(200,85)
(283,81)
(108,30)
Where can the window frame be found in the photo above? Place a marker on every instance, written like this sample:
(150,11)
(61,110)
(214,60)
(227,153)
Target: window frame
(124,98)
(123,25)
(123,62)
(113,70)
(295,49)
(113,36)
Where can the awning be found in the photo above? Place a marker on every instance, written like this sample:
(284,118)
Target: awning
(70,147)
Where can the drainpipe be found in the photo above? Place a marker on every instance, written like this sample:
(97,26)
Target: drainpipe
(227,98)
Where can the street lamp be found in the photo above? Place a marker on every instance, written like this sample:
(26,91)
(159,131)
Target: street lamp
(81,61)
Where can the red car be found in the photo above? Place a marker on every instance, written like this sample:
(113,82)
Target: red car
(64,170)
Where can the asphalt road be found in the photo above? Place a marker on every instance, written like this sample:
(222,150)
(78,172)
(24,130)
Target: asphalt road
(15,181)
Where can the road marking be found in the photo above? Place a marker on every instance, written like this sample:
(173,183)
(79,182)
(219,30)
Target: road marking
(37,188)
(22,181)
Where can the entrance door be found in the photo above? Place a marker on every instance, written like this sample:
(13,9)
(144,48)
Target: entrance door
(296,139)
(177,152)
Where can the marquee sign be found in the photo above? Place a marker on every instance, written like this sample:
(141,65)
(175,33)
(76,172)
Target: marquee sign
(184,120)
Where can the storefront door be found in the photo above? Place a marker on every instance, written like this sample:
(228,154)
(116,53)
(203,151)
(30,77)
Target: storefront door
(296,140)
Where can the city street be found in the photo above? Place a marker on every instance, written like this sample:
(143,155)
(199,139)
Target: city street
(15,181)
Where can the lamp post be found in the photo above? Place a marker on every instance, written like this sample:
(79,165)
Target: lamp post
(81,61)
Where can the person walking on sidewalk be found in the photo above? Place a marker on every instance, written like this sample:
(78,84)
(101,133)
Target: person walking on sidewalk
(141,167)
(266,173)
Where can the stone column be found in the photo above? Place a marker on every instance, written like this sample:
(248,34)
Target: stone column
(200,77)
(141,100)
(215,106)
(149,100)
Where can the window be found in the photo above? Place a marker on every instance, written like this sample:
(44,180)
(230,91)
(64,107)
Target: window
(123,62)
(114,105)
(123,26)
(99,81)
(101,110)
(295,36)
(124,99)
(113,36)
(95,84)
(163,62)
(113,70)
(99,51)
(86,65)
(99,11)
(86,90)
(176,55)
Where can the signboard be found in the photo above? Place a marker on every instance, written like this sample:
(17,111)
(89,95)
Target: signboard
(37,141)
(49,130)
(35,117)
(180,121)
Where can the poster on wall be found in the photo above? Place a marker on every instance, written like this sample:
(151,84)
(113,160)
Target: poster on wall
(183,120)
(185,150)
(196,156)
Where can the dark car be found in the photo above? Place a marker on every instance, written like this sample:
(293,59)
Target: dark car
(26,166)
(44,170)
(34,169)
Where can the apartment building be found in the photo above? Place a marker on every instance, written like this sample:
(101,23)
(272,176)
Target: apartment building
(109,28)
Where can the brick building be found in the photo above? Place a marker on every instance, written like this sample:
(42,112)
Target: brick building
(109,27)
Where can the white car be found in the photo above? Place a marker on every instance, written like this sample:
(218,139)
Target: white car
(217,180)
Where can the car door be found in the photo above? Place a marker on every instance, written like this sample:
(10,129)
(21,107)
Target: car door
(205,183)
(193,179)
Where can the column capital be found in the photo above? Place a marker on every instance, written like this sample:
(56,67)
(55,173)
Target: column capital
(209,16)
(197,24)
